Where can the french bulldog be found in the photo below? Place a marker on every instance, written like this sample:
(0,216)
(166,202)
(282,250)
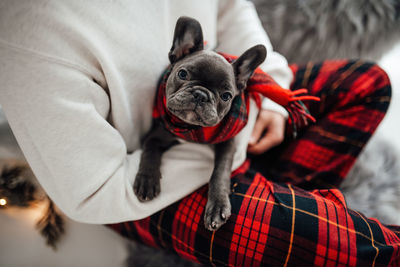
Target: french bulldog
(199,91)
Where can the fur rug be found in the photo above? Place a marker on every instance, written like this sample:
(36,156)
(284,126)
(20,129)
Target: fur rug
(373,184)
(143,256)
(314,30)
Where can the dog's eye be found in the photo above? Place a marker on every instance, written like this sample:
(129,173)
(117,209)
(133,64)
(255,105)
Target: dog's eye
(226,96)
(182,74)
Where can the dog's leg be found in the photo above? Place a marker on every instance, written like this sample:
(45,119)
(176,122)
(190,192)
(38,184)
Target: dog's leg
(147,181)
(218,208)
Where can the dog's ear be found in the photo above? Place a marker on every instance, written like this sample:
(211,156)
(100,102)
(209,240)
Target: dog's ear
(188,38)
(245,65)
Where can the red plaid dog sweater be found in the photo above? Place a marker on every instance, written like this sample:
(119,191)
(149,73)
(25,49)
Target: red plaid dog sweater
(259,84)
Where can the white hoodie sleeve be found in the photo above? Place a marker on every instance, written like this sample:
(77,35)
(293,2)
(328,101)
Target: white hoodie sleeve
(49,104)
(239,28)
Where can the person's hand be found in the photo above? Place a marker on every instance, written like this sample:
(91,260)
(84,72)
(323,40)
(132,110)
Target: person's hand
(269,131)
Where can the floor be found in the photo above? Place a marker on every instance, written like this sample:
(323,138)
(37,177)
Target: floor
(94,245)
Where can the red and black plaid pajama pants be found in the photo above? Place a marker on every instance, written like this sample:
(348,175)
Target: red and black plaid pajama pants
(285,208)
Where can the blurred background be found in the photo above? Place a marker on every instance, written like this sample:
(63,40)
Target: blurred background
(302,30)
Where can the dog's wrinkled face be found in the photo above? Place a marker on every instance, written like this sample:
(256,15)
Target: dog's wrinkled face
(200,88)
(202,84)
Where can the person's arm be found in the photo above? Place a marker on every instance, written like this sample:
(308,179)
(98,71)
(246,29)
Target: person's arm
(239,28)
(58,114)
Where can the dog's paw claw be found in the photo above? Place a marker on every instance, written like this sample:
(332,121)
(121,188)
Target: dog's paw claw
(223,216)
(216,214)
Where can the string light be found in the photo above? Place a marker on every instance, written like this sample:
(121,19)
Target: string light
(3,202)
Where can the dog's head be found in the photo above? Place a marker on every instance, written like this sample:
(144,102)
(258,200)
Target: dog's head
(202,84)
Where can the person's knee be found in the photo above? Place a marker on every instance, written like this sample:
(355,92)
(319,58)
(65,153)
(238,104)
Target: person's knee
(379,79)
(377,84)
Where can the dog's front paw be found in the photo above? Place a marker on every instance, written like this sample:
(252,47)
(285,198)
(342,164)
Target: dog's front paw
(218,211)
(146,186)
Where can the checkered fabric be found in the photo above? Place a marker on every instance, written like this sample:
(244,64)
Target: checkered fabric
(274,222)
(260,84)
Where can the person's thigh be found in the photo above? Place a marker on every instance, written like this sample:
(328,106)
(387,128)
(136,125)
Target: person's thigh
(271,225)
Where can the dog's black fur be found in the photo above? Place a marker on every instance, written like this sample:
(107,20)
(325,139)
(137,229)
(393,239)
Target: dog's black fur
(199,91)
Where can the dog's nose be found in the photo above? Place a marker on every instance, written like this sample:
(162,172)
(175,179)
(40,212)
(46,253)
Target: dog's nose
(200,96)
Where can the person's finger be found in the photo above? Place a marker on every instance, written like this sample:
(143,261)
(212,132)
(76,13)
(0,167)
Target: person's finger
(257,131)
(273,136)
(269,140)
